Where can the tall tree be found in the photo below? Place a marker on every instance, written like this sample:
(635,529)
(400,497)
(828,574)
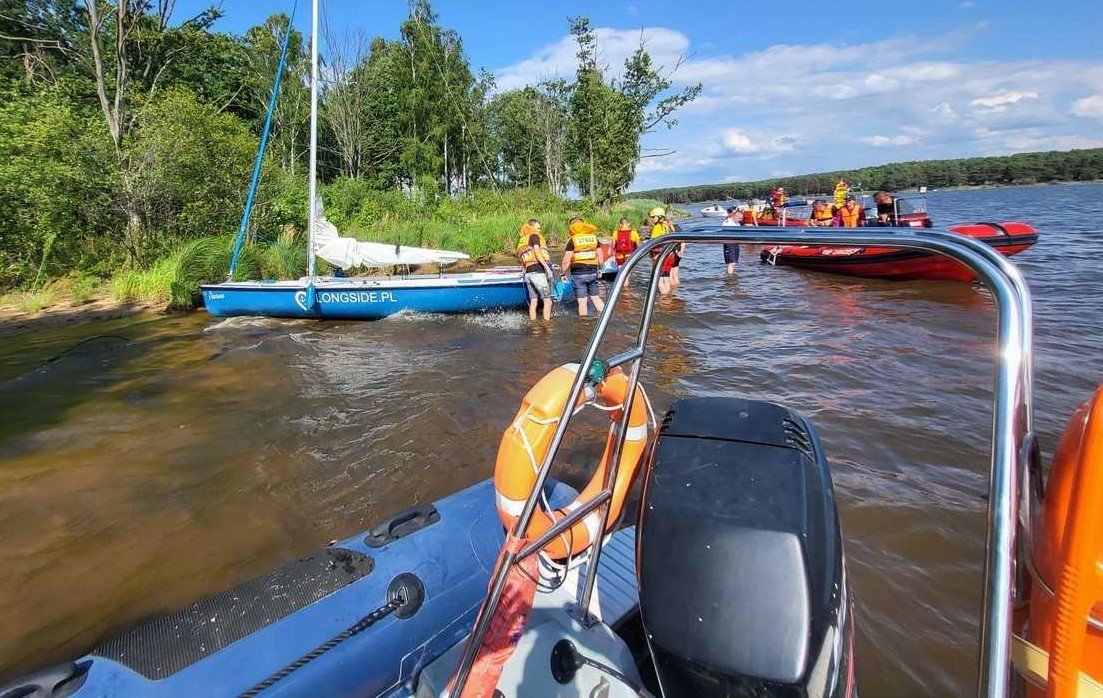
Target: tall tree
(292,116)
(607,120)
(346,98)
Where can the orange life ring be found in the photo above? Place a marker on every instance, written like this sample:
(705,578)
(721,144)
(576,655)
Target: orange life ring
(1068,552)
(526,442)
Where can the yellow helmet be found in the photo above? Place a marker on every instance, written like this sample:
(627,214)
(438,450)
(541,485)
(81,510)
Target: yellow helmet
(657,212)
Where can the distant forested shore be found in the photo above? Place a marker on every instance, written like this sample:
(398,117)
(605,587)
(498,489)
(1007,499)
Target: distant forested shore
(1022,168)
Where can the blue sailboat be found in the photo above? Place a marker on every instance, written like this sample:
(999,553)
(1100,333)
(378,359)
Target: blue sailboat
(367,298)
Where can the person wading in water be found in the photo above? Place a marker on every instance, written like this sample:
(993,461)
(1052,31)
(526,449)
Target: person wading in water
(625,240)
(532,250)
(731,249)
(668,275)
(582,261)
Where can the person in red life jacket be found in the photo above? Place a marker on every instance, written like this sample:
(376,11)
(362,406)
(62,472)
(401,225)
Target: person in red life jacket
(532,250)
(851,215)
(823,214)
(668,274)
(625,241)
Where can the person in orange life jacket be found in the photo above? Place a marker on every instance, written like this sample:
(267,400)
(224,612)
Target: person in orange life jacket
(750,216)
(731,249)
(532,250)
(778,197)
(823,214)
(625,240)
(851,215)
(582,261)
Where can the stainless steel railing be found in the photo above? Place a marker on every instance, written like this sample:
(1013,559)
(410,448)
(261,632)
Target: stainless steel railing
(1012,419)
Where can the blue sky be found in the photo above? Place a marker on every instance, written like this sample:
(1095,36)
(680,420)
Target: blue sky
(794,87)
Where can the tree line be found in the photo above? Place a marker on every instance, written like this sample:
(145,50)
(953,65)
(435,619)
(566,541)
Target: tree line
(1023,168)
(127,132)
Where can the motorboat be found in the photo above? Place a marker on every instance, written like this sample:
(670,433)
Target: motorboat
(714,211)
(1008,239)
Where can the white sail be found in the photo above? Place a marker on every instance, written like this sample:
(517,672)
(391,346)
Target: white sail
(346,252)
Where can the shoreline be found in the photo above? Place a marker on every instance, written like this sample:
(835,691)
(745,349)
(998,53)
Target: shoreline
(103,305)
(962,187)
(15,321)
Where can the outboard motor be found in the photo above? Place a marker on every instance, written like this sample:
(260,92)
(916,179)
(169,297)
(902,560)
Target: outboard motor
(742,583)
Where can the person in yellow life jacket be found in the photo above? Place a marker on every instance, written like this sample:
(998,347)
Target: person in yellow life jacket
(841,190)
(851,214)
(532,250)
(625,240)
(823,214)
(582,261)
(668,275)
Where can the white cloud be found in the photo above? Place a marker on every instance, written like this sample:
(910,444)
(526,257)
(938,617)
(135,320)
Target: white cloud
(900,98)
(739,142)
(880,141)
(657,164)
(967,5)
(1001,100)
(1090,107)
(943,110)
(558,59)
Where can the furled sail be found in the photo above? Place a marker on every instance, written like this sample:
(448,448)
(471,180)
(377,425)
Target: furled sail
(347,252)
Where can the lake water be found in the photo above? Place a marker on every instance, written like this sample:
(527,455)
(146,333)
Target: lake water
(149,461)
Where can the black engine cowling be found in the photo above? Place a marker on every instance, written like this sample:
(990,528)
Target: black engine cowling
(742,583)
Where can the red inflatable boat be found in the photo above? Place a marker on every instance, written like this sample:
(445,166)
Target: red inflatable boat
(894,263)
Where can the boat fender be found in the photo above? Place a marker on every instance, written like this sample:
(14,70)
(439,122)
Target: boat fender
(401,525)
(527,440)
(311,299)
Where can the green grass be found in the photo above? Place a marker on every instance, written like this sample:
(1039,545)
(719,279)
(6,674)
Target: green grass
(76,288)
(481,235)
(175,278)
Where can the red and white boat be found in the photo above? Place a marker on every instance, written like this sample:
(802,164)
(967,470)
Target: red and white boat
(893,263)
(1007,238)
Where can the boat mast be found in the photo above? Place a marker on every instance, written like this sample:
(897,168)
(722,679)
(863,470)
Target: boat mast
(313,197)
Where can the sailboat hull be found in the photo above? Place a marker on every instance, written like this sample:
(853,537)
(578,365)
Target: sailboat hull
(366,299)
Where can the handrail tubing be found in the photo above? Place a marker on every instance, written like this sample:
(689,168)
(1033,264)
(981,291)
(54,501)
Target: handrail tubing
(1011,420)
(566,522)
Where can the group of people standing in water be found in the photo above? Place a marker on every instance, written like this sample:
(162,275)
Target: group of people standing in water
(584,257)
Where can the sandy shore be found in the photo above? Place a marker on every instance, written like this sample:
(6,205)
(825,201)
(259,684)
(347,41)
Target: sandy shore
(16,321)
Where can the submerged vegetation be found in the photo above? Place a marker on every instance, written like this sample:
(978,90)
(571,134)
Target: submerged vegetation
(1023,168)
(129,139)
